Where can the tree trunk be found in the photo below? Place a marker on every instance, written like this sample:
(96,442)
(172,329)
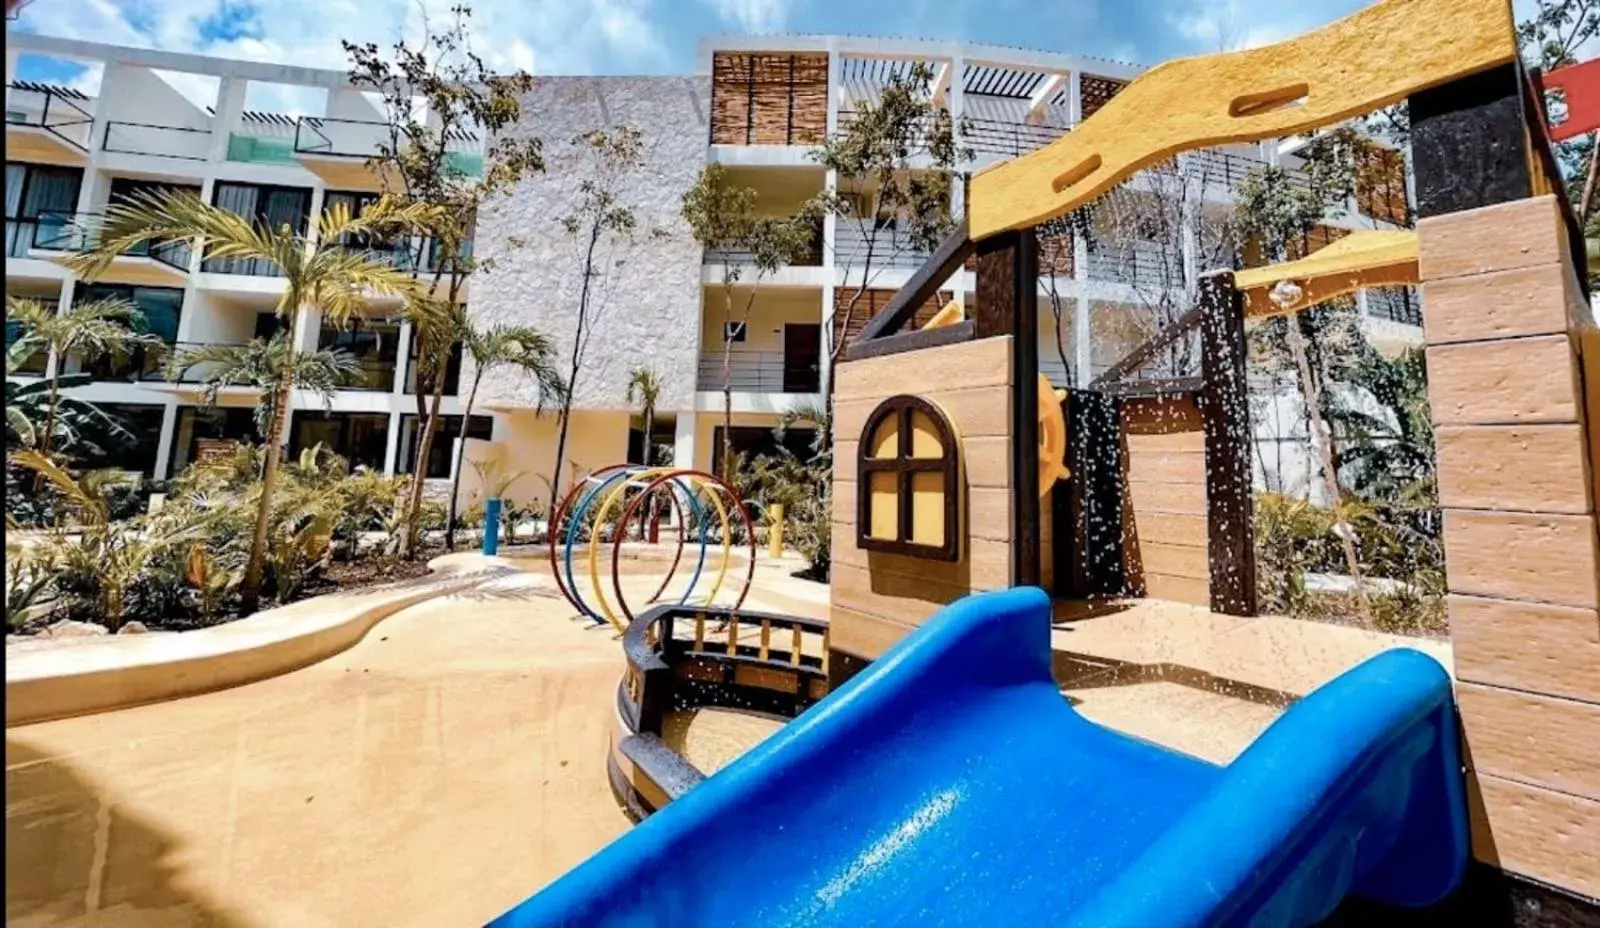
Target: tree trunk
(1322,437)
(572,375)
(727,390)
(461,455)
(1592,177)
(49,429)
(420,477)
(647,511)
(250,587)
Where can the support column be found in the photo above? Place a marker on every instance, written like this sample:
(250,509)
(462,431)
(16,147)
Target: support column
(1225,413)
(683,440)
(230,104)
(1514,387)
(391,444)
(1008,304)
(169,423)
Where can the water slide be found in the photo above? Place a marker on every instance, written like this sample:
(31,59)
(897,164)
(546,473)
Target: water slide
(950,784)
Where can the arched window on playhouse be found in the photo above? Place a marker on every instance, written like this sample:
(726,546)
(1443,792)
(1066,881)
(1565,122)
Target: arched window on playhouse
(909,464)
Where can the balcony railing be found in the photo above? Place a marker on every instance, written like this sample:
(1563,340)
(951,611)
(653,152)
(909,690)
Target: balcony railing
(751,371)
(888,248)
(1007,139)
(812,257)
(1140,264)
(1396,304)
(361,138)
(136,138)
(66,232)
(48,109)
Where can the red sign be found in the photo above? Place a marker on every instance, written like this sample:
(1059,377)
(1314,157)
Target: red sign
(1579,84)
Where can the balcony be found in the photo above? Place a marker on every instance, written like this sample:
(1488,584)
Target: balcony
(753,371)
(340,151)
(1005,139)
(812,257)
(1144,266)
(886,247)
(46,124)
(144,364)
(58,234)
(177,142)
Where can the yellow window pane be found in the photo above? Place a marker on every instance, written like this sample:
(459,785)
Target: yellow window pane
(886,440)
(924,437)
(883,507)
(927,508)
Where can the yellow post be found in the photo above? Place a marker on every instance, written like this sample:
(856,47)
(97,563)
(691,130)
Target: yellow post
(775,530)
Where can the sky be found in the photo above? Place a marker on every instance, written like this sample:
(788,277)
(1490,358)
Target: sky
(659,36)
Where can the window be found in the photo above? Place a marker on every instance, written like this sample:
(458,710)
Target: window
(162,308)
(40,204)
(206,432)
(172,253)
(442,454)
(734,331)
(361,438)
(271,207)
(908,498)
(133,452)
(452,369)
(373,344)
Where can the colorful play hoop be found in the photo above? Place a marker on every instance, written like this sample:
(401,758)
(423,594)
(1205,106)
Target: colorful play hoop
(687,491)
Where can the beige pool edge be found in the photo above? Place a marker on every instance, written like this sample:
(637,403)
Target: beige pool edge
(129,670)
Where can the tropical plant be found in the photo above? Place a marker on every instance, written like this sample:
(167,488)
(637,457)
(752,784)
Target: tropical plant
(262,365)
(723,217)
(523,348)
(78,426)
(30,571)
(432,94)
(98,565)
(803,486)
(601,225)
(87,330)
(902,152)
(644,388)
(324,275)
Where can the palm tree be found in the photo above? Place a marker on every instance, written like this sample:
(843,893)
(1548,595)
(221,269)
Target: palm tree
(326,274)
(261,365)
(518,346)
(89,330)
(645,386)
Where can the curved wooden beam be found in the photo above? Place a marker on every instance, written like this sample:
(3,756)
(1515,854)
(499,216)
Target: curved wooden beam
(1377,57)
(1359,260)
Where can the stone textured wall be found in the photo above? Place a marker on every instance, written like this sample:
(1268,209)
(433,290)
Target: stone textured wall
(650,305)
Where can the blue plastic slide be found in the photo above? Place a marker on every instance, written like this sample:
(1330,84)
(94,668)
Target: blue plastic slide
(951,784)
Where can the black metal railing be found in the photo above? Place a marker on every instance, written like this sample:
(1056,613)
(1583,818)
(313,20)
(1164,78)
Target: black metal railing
(856,248)
(75,232)
(51,110)
(363,138)
(1396,304)
(1005,138)
(753,371)
(1137,264)
(811,258)
(137,138)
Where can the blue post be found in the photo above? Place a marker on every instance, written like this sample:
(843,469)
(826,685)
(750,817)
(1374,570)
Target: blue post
(491,527)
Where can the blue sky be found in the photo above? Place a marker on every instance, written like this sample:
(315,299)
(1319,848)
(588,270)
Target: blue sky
(659,36)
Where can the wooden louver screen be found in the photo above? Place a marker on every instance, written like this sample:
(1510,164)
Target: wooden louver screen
(768,99)
(1094,92)
(871,303)
(1381,185)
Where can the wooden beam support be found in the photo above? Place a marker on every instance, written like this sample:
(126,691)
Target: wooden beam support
(1008,304)
(1225,412)
(945,260)
(1142,354)
(910,341)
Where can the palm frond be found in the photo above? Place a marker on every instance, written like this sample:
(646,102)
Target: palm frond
(148,217)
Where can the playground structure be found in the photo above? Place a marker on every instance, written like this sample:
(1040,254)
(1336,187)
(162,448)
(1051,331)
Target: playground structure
(694,497)
(898,796)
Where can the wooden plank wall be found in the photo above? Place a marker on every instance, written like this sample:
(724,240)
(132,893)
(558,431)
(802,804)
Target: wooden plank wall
(877,597)
(1165,554)
(872,302)
(1505,326)
(768,99)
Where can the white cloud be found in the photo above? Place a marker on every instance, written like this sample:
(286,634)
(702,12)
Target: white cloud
(1232,25)
(543,36)
(752,15)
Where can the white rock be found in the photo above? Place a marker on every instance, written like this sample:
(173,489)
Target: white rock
(133,628)
(66,628)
